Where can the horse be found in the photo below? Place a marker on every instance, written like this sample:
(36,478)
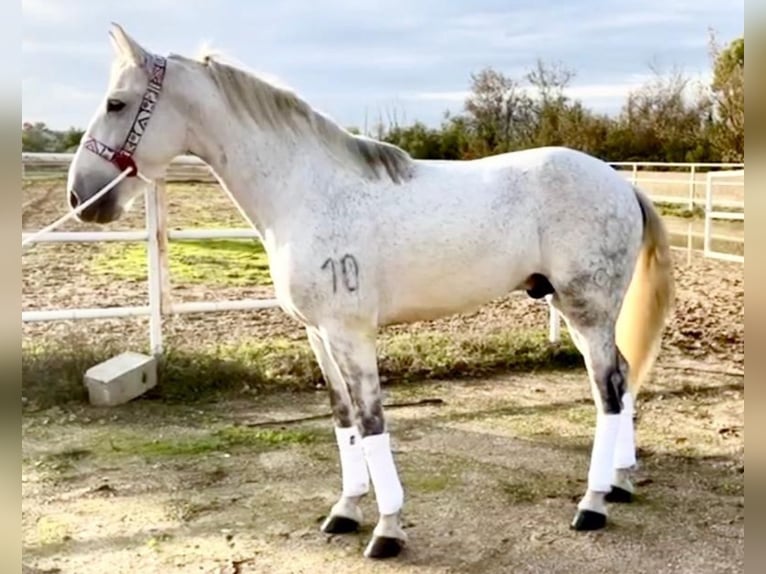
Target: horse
(359,235)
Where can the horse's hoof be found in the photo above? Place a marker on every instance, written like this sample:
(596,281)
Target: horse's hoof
(383,547)
(339,525)
(588,520)
(619,495)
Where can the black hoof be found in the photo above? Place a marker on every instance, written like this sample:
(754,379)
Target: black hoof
(339,525)
(619,495)
(588,520)
(381,547)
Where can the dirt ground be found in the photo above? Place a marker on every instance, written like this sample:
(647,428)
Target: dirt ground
(491,478)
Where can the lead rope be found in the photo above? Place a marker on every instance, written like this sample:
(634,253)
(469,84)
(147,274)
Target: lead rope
(101,192)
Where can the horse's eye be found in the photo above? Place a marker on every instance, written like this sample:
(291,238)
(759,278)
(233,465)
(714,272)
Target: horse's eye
(114,105)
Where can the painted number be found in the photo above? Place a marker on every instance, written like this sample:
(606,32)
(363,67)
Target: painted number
(344,271)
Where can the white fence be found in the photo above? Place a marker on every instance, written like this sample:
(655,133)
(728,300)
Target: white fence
(636,173)
(157,237)
(711,214)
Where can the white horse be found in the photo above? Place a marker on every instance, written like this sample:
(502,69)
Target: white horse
(359,235)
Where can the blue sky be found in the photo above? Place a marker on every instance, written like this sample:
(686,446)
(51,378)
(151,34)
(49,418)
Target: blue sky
(365,58)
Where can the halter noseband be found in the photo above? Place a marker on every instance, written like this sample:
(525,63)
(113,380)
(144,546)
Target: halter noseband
(123,157)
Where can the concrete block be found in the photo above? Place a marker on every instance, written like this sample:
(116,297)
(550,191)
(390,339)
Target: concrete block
(120,379)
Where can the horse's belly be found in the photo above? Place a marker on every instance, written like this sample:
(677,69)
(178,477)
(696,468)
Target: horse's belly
(423,296)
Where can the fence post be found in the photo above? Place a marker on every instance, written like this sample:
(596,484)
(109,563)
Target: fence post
(157,245)
(554,322)
(689,243)
(634,176)
(692,183)
(708,208)
(163,245)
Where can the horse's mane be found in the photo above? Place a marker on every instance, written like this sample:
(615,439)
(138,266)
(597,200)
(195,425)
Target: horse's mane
(272,106)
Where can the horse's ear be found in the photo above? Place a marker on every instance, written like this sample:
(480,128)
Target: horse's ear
(127,47)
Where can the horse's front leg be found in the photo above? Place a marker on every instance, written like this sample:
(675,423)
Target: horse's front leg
(355,355)
(345,515)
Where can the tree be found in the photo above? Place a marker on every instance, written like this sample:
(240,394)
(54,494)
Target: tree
(420,141)
(38,138)
(663,120)
(497,111)
(69,140)
(728,89)
(550,107)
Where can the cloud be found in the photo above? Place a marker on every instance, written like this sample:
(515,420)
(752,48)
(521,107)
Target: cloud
(607,91)
(97,50)
(449,96)
(50,11)
(347,56)
(598,95)
(628,20)
(57,104)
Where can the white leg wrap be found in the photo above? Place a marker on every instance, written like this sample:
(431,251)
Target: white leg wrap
(385,479)
(356,479)
(602,456)
(625,451)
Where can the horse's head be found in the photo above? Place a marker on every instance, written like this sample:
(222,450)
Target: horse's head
(136,126)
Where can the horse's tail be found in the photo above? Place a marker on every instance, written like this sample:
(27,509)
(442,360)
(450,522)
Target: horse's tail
(648,300)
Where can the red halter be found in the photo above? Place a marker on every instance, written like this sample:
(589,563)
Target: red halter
(123,157)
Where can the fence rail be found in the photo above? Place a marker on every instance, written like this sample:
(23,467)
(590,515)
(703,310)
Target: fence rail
(157,236)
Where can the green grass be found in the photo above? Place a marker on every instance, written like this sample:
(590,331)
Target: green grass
(62,462)
(219,440)
(53,375)
(531,486)
(678,210)
(231,262)
(683,211)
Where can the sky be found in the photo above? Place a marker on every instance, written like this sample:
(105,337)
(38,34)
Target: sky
(362,60)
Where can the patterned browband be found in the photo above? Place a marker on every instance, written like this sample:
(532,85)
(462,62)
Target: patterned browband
(123,157)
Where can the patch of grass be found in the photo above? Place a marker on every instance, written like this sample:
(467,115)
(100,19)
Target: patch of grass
(264,438)
(428,483)
(54,375)
(232,262)
(437,354)
(532,486)
(219,440)
(680,210)
(683,211)
(63,462)
(139,446)
(565,423)
(735,487)
(188,510)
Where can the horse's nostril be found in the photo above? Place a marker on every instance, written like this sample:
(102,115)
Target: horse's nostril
(74,200)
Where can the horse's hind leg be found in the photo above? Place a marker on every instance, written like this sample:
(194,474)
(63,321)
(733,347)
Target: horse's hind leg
(345,515)
(591,310)
(622,489)
(625,454)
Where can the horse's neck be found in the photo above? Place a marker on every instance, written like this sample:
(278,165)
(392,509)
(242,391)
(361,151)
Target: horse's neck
(258,169)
